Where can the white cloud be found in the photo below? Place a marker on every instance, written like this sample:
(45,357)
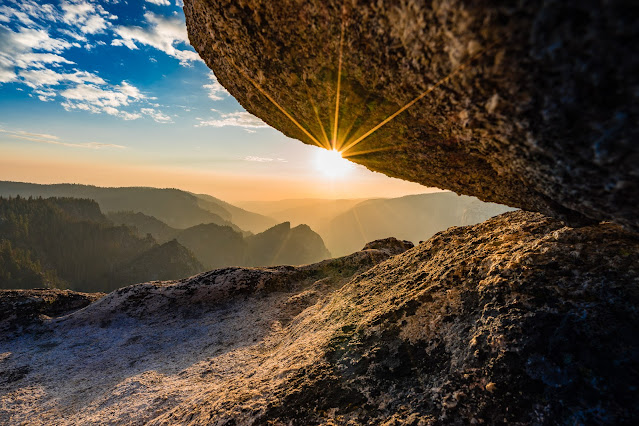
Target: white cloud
(156,115)
(92,97)
(45,95)
(263,159)
(36,37)
(234,119)
(28,48)
(96,99)
(74,35)
(29,39)
(54,140)
(217,92)
(39,60)
(162,33)
(160,2)
(89,18)
(26,11)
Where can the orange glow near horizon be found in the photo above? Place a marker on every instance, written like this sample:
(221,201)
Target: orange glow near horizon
(227,186)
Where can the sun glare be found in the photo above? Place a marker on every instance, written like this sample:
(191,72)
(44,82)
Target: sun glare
(331,163)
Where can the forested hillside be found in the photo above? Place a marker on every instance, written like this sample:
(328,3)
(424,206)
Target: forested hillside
(60,242)
(69,243)
(178,209)
(217,246)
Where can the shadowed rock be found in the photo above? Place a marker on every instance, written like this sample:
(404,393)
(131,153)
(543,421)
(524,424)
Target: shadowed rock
(390,245)
(24,308)
(534,103)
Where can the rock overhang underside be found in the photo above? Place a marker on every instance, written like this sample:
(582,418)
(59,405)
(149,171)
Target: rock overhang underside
(532,105)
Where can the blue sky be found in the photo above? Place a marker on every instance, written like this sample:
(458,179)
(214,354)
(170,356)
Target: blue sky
(111,93)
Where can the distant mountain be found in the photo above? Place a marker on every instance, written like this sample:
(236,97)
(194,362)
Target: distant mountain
(312,212)
(169,261)
(413,218)
(218,246)
(215,246)
(144,224)
(283,245)
(176,208)
(245,219)
(69,243)
(346,225)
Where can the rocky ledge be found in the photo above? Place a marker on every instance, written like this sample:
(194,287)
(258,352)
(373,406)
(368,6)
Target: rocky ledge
(20,308)
(518,319)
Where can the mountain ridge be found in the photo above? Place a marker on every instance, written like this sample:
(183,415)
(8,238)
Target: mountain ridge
(177,208)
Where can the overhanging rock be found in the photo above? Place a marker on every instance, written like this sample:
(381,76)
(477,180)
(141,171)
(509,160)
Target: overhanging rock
(530,104)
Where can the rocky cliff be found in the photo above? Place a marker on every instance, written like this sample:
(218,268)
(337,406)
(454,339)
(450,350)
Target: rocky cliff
(531,104)
(518,319)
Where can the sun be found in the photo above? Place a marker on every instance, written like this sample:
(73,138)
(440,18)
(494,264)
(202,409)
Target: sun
(331,163)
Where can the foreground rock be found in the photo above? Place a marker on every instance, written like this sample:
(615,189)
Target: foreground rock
(540,111)
(24,308)
(518,319)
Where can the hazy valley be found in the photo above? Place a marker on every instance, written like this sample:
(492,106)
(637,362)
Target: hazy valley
(107,251)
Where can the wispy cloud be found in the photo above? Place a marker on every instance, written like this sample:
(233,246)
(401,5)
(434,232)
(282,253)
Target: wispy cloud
(28,48)
(88,17)
(156,115)
(167,34)
(96,99)
(54,140)
(160,2)
(216,91)
(263,159)
(234,119)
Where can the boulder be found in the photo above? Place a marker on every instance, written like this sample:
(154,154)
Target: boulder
(391,245)
(530,104)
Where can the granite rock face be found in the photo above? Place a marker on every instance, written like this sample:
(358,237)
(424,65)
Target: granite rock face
(518,319)
(531,104)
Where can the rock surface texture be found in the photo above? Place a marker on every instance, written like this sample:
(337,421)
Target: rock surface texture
(518,319)
(20,308)
(532,104)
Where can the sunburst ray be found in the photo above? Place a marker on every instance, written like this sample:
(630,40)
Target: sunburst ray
(350,145)
(339,84)
(346,154)
(274,102)
(327,143)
